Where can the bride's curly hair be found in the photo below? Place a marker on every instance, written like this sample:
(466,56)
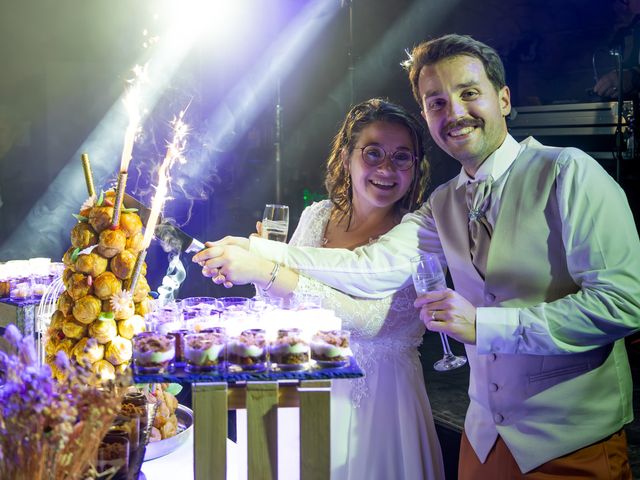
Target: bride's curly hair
(338,179)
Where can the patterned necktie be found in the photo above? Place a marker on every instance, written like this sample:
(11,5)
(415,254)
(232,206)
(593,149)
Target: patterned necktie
(478,197)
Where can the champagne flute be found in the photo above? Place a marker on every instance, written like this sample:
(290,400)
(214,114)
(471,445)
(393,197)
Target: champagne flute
(275,226)
(275,222)
(428,276)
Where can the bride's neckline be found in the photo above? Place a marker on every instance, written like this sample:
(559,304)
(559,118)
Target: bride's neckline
(325,240)
(371,239)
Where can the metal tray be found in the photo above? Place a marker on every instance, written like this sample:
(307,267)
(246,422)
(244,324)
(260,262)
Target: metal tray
(168,445)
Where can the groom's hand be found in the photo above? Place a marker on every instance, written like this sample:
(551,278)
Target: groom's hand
(241,242)
(448,312)
(213,251)
(230,264)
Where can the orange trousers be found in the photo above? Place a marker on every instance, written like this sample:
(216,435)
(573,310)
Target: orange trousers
(605,460)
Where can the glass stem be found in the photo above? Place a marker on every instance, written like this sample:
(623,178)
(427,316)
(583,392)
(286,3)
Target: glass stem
(445,345)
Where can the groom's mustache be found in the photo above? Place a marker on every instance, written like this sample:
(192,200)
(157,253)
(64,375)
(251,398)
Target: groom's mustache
(463,123)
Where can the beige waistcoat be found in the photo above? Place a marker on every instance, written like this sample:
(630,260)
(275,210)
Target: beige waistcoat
(543,406)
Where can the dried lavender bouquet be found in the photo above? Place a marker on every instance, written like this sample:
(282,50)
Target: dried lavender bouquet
(50,429)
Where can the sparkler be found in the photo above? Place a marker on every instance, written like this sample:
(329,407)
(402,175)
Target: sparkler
(174,153)
(132,105)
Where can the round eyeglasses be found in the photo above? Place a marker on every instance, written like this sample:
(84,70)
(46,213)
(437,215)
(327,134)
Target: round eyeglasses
(374,155)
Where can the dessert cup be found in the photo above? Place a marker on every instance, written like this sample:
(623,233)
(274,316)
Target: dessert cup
(113,453)
(289,351)
(330,348)
(204,352)
(248,351)
(153,352)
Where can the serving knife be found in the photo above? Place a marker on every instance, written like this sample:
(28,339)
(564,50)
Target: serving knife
(171,237)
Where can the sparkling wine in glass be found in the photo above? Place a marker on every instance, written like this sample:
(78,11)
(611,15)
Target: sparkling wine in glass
(428,276)
(275,222)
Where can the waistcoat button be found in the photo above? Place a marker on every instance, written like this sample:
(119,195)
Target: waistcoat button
(498,418)
(493,387)
(489,297)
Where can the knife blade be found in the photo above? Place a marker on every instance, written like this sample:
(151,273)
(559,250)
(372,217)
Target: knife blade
(171,238)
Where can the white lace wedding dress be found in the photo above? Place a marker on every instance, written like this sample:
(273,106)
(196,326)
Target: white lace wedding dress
(381,425)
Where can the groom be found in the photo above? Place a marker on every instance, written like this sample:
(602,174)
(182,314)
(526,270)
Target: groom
(545,260)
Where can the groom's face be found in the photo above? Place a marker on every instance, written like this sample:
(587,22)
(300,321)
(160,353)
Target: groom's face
(464,111)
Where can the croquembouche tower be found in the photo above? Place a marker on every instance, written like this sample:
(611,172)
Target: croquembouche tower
(99,312)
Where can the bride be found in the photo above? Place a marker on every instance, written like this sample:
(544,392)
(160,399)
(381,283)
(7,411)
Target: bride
(381,425)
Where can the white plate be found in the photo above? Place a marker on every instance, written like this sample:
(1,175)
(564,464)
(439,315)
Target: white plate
(168,445)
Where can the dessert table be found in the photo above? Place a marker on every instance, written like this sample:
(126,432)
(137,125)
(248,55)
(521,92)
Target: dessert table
(261,394)
(258,394)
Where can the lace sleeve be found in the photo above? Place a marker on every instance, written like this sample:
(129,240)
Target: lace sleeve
(360,315)
(310,228)
(364,316)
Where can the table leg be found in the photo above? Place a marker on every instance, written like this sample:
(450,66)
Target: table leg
(315,429)
(210,431)
(262,430)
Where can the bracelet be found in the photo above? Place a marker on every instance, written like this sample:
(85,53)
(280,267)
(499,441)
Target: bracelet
(274,273)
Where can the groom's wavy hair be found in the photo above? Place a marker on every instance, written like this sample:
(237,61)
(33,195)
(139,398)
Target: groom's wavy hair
(338,179)
(448,46)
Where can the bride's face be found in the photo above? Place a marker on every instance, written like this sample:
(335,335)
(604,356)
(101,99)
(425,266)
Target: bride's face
(381,186)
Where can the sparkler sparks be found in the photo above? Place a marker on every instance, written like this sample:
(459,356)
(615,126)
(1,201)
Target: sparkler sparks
(132,104)
(174,154)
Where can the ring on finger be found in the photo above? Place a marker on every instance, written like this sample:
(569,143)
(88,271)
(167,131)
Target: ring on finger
(433,315)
